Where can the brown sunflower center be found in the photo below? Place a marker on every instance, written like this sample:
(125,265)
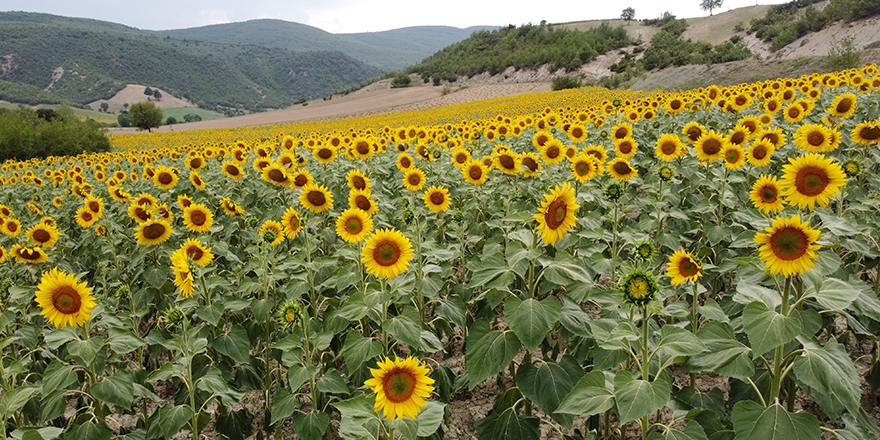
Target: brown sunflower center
(195,252)
(66,300)
(694,133)
(12,226)
(406,163)
(811,181)
(741,100)
(30,254)
(793,112)
(142,213)
(732,156)
(154,231)
(738,138)
(325,153)
(196,163)
(300,180)
(316,198)
(459,159)
(165,178)
(507,162)
(232,170)
(354,226)
(621,133)
(577,132)
(94,206)
(414,179)
(759,152)
(541,140)
(198,218)
(622,168)
(555,214)
(789,243)
(844,106)
(363,203)
(530,163)
(769,194)
(582,168)
(362,148)
(41,236)
(437,198)
(687,268)
(294,223)
(277,176)
(668,148)
(399,385)
(815,138)
(711,146)
(475,172)
(625,147)
(386,253)
(870,132)
(358,182)
(553,152)
(86,216)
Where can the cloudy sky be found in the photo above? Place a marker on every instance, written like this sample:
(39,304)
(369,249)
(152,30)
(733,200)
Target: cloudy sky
(348,16)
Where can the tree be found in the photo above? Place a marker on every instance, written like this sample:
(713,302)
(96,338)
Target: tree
(709,5)
(145,116)
(105,107)
(628,14)
(157,94)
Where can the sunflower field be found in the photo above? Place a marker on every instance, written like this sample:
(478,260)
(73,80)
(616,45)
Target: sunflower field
(585,263)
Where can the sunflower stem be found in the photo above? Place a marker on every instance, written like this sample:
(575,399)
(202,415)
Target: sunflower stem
(613,244)
(778,356)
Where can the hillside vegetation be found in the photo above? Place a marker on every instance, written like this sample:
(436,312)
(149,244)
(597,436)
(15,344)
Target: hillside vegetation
(787,22)
(386,50)
(90,61)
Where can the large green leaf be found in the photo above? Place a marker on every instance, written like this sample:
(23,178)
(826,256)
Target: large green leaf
(747,293)
(753,421)
(86,350)
(298,375)
(508,425)
(235,425)
(563,271)
(14,399)
(58,376)
(830,293)
(490,355)
(214,383)
(358,418)
(546,386)
(724,354)
(284,405)
(830,371)
(679,342)
(767,328)
(589,396)
(117,389)
(636,397)
(311,426)
(406,327)
(89,431)
(234,344)
(430,418)
(531,320)
(574,318)
(357,350)
(692,431)
(123,341)
(169,420)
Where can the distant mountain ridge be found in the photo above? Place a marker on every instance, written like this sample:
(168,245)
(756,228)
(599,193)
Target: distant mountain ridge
(249,66)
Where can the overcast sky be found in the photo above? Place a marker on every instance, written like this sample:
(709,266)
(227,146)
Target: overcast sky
(349,16)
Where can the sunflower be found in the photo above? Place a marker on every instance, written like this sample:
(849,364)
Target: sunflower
(760,152)
(64,300)
(625,148)
(353,225)
(119,194)
(11,227)
(28,255)
(709,146)
(404,161)
(669,147)
(196,180)
(531,165)
(577,133)
(597,151)
(852,167)
(620,169)
(152,232)
(42,235)
(811,179)
(540,138)
(401,387)
(316,198)
(361,148)
(84,217)
(682,267)
(475,172)
(639,287)
(302,177)
(621,131)
(196,251)
(739,135)
(460,156)
(386,253)
(274,173)
(557,213)
(291,222)
(507,161)
(553,152)
(814,138)
(165,177)
(232,170)
(774,135)
(230,207)
(733,155)
(362,199)
(324,154)
(865,132)
(693,130)
(272,232)
(843,106)
(198,218)
(766,195)
(794,112)
(183,276)
(414,179)
(585,167)
(437,199)
(788,246)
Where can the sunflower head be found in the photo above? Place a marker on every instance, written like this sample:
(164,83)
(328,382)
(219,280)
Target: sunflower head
(556,215)
(683,267)
(613,191)
(788,246)
(665,173)
(172,317)
(853,167)
(386,253)
(639,287)
(288,314)
(63,299)
(643,251)
(401,387)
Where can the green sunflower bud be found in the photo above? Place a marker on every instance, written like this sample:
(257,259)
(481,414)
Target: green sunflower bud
(613,191)
(639,287)
(171,318)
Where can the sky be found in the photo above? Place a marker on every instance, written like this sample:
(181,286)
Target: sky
(351,16)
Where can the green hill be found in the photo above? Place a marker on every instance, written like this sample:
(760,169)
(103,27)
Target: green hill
(80,61)
(387,50)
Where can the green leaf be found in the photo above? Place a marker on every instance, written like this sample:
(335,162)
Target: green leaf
(156,276)
(753,421)
(117,389)
(490,355)
(47,433)
(493,273)
(358,418)
(747,293)
(86,350)
(829,370)
(680,342)
(123,341)
(234,344)
(58,376)
(211,313)
(768,329)
(508,425)
(235,425)
(214,383)
(724,354)
(284,405)
(332,382)
(546,386)
(52,405)
(89,431)
(830,293)
(311,426)
(170,419)
(636,397)
(563,271)
(406,327)
(574,318)
(298,375)
(692,431)
(711,310)
(531,320)
(589,396)
(357,350)
(14,399)
(430,418)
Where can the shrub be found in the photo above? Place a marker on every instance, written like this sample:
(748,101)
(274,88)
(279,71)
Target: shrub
(566,82)
(843,54)
(25,134)
(171,120)
(401,80)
